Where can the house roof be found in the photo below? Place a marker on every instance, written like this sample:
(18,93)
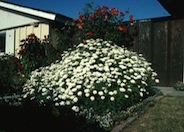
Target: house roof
(34,12)
(174,7)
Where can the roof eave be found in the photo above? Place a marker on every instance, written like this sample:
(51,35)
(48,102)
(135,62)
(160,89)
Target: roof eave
(174,7)
(38,13)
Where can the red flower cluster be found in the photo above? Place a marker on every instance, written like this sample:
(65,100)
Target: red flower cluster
(91,17)
(114,11)
(123,29)
(20,67)
(89,34)
(80,25)
(103,22)
(17,62)
(103,11)
(100,10)
(81,18)
(32,36)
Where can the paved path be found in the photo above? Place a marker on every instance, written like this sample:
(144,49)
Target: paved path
(170,91)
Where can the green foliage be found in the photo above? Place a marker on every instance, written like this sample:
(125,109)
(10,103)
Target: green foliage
(11,77)
(95,80)
(35,53)
(65,39)
(31,53)
(179,86)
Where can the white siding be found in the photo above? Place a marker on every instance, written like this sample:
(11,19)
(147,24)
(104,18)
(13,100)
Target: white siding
(9,46)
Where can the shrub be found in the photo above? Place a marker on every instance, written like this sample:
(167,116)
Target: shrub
(96,79)
(11,77)
(101,22)
(179,86)
(35,53)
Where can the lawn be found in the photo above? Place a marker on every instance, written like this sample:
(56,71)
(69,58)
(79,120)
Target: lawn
(167,115)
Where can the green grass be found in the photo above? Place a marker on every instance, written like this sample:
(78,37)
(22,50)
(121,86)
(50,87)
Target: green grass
(166,116)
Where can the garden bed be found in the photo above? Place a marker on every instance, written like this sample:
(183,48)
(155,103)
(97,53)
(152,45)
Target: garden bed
(32,117)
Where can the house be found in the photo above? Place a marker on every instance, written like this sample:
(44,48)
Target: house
(16,22)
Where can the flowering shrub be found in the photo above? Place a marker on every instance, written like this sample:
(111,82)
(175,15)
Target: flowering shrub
(34,53)
(96,79)
(102,22)
(11,77)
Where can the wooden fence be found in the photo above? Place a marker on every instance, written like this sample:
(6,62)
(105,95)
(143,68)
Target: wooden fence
(161,42)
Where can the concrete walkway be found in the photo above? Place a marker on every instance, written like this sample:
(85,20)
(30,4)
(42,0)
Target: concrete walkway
(169,91)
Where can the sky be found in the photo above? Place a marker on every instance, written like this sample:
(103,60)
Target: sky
(140,9)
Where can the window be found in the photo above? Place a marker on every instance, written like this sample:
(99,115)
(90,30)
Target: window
(2,42)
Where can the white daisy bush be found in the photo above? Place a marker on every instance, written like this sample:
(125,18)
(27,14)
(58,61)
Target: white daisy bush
(96,79)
